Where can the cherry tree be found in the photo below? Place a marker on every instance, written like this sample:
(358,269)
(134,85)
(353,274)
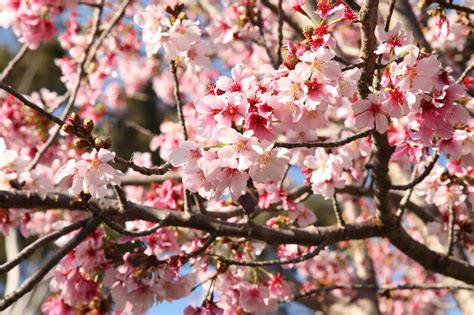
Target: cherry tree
(318,152)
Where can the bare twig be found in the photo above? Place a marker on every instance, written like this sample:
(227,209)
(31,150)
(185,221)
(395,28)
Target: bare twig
(119,229)
(420,178)
(406,197)
(452,218)
(450,5)
(337,211)
(74,90)
(380,289)
(273,262)
(30,249)
(32,281)
(177,96)
(465,73)
(31,105)
(333,144)
(280,33)
(20,54)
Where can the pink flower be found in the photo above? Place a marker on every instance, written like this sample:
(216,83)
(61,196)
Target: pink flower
(398,102)
(278,287)
(326,172)
(369,113)
(256,299)
(297,6)
(233,112)
(322,65)
(187,156)
(33,29)
(302,215)
(240,81)
(92,174)
(270,165)
(159,33)
(319,94)
(292,87)
(392,40)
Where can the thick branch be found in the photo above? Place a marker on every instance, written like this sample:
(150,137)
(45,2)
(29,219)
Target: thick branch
(302,236)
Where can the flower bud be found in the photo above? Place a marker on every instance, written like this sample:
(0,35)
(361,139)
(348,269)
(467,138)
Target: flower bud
(99,142)
(88,124)
(75,119)
(107,143)
(67,128)
(80,143)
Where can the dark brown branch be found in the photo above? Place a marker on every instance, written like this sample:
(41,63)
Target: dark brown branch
(109,207)
(332,144)
(380,289)
(8,69)
(420,178)
(280,33)
(118,228)
(337,211)
(30,104)
(147,180)
(288,20)
(75,89)
(452,219)
(179,104)
(263,42)
(32,281)
(40,242)
(273,262)
(450,5)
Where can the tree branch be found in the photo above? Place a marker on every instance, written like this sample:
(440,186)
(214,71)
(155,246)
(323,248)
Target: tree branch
(420,178)
(273,262)
(32,281)
(20,54)
(40,242)
(333,144)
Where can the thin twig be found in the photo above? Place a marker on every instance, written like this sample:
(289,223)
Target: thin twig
(119,229)
(457,7)
(133,125)
(280,33)
(263,42)
(406,197)
(179,104)
(337,211)
(155,170)
(75,89)
(285,174)
(30,249)
(420,178)
(381,289)
(32,281)
(20,54)
(273,262)
(31,105)
(333,144)
(452,218)
(465,73)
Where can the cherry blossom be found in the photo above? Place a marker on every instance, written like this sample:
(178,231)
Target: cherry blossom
(91,174)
